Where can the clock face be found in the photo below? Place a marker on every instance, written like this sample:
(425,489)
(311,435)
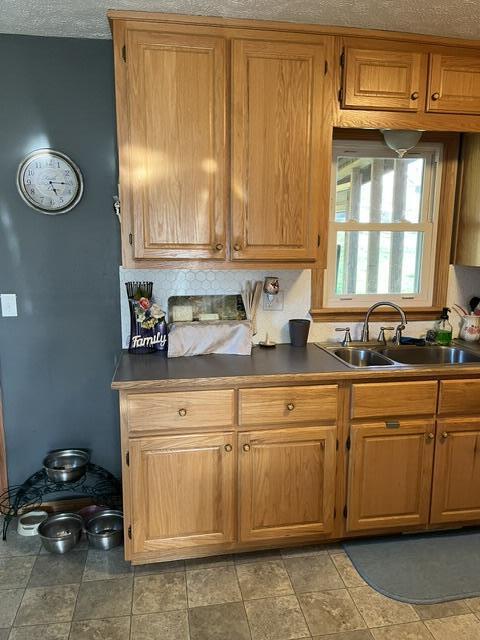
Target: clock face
(49,181)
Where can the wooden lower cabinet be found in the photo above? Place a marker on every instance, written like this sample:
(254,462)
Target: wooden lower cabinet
(390,474)
(286,483)
(456,476)
(182,491)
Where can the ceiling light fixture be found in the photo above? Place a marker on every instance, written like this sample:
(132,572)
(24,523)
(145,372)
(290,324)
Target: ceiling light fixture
(401,141)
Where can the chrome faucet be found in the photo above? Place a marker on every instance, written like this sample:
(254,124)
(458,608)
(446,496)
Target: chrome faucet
(398,331)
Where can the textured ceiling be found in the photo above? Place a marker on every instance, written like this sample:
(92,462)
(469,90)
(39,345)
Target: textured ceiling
(86,18)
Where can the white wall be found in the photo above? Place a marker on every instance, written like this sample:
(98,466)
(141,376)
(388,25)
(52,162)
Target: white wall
(464,282)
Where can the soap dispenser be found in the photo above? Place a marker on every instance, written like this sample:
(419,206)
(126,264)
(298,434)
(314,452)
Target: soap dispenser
(443,329)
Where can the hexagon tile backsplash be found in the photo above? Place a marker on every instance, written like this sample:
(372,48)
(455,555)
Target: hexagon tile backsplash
(295,286)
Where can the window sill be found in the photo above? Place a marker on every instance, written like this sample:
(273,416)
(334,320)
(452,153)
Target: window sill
(357,315)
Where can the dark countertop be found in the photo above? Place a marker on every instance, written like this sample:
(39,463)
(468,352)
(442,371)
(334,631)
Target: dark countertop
(282,360)
(282,365)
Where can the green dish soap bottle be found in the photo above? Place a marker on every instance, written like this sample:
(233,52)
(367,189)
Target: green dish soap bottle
(443,329)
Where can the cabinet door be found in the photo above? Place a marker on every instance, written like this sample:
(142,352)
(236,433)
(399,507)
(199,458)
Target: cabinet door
(277,134)
(456,476)
(454,84)
(390,474)
(182,491)
(286,482)
(387,78)
(176,151)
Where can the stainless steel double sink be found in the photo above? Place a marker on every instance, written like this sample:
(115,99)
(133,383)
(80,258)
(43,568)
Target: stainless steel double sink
(379,355)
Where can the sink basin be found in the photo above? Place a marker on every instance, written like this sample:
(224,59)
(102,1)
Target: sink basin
(429,355)
(362,357)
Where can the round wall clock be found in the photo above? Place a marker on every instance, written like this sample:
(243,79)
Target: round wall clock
(49,181)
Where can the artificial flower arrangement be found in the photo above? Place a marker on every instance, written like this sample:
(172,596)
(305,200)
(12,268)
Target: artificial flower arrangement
(148,314)
(148,329)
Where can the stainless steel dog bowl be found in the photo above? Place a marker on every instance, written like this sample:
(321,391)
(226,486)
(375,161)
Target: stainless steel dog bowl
(105,529)
(61,532)
(66,465)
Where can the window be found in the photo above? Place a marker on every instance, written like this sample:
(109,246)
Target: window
(383,225)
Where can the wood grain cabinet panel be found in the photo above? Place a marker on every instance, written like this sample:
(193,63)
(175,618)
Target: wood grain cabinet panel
(179,410)
(286,482)
(182,491)
(177,144)
(277,134)
(394,399)
(454,83)
(387,76)
(456,477)
(390,474)
(459,397)
(287,405)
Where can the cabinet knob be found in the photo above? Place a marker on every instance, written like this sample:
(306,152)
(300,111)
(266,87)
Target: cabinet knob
(219,246)
(414,95)
(431,436)
(435,96)
(228,448)
(237,247)
(445,435)
(290,406)
(182,412)
(246,447)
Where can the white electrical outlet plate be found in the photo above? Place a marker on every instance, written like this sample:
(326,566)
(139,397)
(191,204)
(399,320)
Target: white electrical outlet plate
(9,305)
(273,303)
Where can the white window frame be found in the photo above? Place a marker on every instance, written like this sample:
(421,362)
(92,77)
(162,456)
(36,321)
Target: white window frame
(428,224)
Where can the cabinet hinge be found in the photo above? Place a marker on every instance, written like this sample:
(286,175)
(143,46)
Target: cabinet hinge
(130,532)
(340,95)
(124,53)
(345,511)
(334,512)
(130,238)
(336,445)
(318,240)
(342,58)
(127,458)
(348,443)
(326,67)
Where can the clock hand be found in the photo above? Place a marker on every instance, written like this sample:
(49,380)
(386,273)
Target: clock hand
(53,188)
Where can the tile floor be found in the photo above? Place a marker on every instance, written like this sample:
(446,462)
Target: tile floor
(309,592)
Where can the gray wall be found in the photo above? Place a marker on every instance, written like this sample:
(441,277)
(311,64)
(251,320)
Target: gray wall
(57,357)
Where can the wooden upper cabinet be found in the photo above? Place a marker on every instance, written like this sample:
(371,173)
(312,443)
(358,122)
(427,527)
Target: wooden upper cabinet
(286,482)
(390,474)
(454,83)
(182,491)
(277,132)
(176,152)
(456,477)
(383,75)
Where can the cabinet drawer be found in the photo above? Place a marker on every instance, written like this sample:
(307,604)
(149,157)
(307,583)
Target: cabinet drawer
(150,411)
(459,397)
(394,399)
(287,405)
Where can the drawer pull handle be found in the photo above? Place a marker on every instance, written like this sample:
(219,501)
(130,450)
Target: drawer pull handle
(445,435)
(290,406)
(219,246)
(414,95)
(228,448)
(237,247)
(182,412)
(246,447)
(392,424)
(431,436)
(435,96)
